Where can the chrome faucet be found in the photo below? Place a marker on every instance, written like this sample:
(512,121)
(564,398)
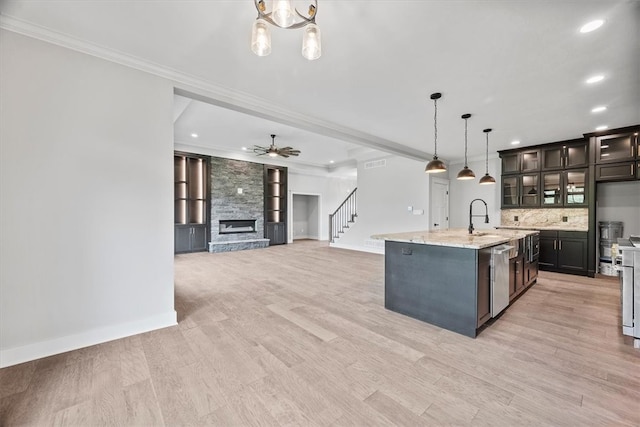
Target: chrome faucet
(471,215)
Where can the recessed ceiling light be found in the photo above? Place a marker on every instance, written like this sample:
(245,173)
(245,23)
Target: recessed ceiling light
(331,161)
(591,26)
(515,142)
(194,135)
(599,109)
(595,79)
(244,148)
(603,127)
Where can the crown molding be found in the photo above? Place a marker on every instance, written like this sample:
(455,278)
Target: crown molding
(296,165)
(196,88)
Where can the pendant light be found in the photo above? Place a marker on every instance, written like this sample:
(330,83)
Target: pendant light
(465,173)
(436,165)
(487,179)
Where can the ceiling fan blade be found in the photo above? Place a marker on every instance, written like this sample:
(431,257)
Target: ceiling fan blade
(283,155)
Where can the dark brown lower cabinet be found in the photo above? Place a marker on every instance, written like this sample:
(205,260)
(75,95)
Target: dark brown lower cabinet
(190,238)
(563,252)
(516,276)
(276,232)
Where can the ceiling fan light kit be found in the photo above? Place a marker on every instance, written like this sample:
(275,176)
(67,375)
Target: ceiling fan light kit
(284,15)
(273,151)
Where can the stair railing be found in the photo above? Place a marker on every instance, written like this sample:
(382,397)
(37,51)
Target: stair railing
(343,216)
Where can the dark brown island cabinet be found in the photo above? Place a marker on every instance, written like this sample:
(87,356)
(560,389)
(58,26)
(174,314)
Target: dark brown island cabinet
(191,200)
(275,204)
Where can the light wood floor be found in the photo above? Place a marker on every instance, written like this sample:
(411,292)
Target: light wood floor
(298,335)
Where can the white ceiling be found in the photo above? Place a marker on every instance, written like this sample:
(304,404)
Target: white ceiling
(517,66)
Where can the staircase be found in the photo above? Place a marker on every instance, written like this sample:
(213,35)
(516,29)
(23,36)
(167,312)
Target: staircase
(343,216)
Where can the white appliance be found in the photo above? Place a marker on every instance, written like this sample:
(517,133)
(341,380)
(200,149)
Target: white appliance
(629,268)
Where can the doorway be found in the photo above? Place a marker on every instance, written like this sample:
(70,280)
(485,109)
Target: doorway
(305,211)
(439,204)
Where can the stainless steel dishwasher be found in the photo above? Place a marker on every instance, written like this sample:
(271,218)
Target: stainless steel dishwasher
(500,278)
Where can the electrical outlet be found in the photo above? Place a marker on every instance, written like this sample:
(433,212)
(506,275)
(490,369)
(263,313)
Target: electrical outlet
(565,218)
(515,217)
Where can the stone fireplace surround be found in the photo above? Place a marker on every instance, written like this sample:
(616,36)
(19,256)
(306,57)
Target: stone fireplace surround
(228,203)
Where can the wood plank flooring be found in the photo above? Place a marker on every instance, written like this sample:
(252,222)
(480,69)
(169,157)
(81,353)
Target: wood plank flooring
(298,335)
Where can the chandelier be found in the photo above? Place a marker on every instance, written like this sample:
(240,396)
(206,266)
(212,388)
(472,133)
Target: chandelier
(283,14)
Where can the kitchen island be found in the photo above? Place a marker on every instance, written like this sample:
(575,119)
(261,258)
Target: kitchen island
(444,277)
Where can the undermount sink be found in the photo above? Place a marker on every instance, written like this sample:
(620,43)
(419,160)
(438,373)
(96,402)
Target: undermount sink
(484,235)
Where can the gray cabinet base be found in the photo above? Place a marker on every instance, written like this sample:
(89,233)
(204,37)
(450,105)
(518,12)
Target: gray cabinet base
(435,284)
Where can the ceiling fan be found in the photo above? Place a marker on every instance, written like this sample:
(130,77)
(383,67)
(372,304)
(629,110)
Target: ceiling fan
(273,151)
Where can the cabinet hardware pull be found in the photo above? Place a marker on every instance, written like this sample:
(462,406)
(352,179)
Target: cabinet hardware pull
(560,244)
(554,245)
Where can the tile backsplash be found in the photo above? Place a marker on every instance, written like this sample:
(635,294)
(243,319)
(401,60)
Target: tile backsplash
(562,217)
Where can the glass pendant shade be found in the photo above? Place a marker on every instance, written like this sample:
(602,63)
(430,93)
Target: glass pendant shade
(261,38)
(466,173)
(311,42)
(282,13)
(435,166)
(487,179)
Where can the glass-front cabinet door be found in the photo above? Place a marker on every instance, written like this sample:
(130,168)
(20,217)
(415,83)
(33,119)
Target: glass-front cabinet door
(510,191)
(510,163)
(576,155)
(575,188)
(612,148)
(552,158)
(551,189)
(530,192)
(530,161)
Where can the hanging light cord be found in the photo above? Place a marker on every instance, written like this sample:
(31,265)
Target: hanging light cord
(486,161)
(435,128)
(465,142)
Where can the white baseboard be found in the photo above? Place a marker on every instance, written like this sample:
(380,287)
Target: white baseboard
(13,356)
(358,248)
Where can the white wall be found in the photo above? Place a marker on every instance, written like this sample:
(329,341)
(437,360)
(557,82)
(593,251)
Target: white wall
(86,179)
(300,216)
(620,201)
(461,193)
(331,191)
(384,194)
(305,217)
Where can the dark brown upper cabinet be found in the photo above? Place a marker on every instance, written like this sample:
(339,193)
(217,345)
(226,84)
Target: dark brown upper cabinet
(510,163)
(564,155)
(530,190)
(616,148)
(520,161)
(530,161)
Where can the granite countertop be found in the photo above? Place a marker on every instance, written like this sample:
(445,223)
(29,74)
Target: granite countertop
(457,237)
(556,227)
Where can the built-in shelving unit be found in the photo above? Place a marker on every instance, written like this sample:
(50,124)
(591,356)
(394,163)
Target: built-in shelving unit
(190,202)
(275,204)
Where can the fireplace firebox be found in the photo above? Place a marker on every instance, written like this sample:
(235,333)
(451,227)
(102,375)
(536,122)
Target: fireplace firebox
(235,226)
